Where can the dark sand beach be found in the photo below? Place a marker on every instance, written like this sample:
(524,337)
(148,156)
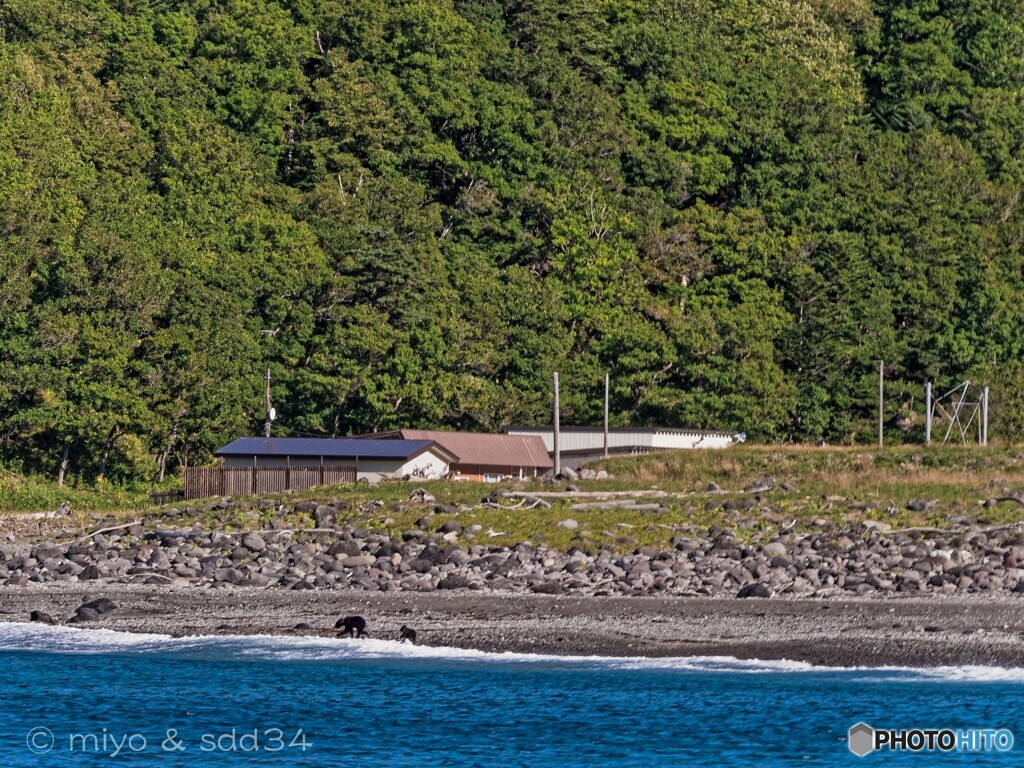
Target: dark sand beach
(895,631)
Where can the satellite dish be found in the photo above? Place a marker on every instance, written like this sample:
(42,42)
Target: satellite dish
(272,414)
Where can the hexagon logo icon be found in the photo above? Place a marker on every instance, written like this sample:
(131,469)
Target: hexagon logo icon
(862,739)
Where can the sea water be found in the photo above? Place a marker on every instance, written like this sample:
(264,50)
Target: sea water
(74,697)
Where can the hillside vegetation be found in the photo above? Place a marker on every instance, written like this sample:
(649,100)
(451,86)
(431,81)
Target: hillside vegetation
(413,212)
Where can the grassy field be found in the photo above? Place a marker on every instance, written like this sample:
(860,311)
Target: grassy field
(19,493)
(829,488)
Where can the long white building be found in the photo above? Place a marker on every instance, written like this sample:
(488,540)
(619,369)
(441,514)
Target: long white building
(579,445)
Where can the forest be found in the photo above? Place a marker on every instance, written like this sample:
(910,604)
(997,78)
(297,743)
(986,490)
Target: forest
(414,211)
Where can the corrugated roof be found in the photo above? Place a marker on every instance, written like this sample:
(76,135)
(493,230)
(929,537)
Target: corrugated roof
(620,430)
(328,447)
(475,448)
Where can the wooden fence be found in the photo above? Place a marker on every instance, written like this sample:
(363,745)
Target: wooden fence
(201,482)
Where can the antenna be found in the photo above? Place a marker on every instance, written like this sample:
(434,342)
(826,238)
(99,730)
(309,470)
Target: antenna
(271,413)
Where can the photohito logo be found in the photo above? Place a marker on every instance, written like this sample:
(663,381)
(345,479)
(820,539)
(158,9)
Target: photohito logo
(863,739)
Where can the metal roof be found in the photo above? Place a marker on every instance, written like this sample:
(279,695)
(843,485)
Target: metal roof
(328,447)
(515,428)
(482,449)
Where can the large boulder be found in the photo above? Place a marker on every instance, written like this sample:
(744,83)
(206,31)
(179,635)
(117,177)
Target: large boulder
(228,576)
(325,516)
(455,581)
(422,496)
(90,573)
(548,588)
(254,543)
(774,548)
(101,605)
(359,561)
(85,614)
(755,590)
(761,485)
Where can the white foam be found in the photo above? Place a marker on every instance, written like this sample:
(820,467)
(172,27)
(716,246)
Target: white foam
(42,638)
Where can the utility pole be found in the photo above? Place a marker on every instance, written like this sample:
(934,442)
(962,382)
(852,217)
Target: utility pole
(269,411)
(928,413)
(606,415)
(984,415)
(881,399)
(557,452)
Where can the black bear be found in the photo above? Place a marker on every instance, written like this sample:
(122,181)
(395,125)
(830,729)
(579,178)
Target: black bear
(408,634)
(353,626)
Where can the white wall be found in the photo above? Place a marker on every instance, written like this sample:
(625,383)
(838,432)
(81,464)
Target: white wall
(677,440)
(652,437)
(427,464)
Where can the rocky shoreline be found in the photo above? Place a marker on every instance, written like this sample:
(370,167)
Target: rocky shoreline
(851,594)
(896,631)
(861,559)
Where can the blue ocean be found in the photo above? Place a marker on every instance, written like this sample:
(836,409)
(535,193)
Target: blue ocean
(96,697)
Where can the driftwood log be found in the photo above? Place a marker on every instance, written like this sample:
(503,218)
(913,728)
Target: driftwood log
(108,530)
(629,505)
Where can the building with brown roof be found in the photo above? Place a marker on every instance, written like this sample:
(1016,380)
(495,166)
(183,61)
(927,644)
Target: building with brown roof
(483,457)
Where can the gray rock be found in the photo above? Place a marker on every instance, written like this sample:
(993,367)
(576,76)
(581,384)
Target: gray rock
(350,548)
(254,542)
(85,614)
(359,561)
(568,473)
(568,523)
(89,573)
(548,588)
(714,487)
(761,485)
(755,590)
(101,605)
(325,516)
(920,505)
(228,575)
(454,581)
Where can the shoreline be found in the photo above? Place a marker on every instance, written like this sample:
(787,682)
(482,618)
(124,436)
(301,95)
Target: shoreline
(838,632)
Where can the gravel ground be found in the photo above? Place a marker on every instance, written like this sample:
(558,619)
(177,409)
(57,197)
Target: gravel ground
(931,631)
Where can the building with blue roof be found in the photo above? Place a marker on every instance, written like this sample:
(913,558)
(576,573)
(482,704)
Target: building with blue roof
(373,460)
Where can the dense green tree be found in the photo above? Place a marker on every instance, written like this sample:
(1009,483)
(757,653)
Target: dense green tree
(413,212)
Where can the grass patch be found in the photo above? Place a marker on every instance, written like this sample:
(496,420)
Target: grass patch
(37,494)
